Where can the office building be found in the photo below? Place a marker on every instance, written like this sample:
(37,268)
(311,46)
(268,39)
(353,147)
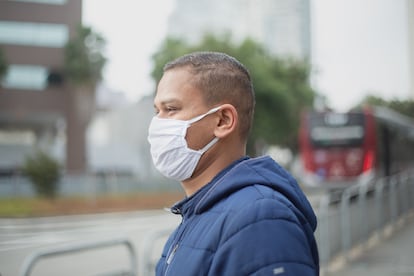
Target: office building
(35,107)
(281,26)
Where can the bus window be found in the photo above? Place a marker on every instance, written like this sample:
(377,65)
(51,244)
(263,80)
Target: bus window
(335,129)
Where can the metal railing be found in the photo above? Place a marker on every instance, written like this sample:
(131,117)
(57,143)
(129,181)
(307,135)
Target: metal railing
(32,259)
(361,212)
(146,262)
(343,222)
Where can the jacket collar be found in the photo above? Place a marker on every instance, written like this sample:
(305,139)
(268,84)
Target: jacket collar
(187,206)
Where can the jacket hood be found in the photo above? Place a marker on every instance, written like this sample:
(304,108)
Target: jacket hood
(252,171)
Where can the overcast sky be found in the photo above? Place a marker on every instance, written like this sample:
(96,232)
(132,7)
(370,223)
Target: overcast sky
(133,30)
(358,46)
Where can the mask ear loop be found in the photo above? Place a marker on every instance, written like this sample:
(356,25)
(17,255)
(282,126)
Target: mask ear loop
(199,117)
(209,145)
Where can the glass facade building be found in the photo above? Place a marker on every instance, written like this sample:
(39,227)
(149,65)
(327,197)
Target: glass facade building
(34,99)
(31,34)
(281,26)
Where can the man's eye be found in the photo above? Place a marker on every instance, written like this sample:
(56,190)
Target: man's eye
(170,109)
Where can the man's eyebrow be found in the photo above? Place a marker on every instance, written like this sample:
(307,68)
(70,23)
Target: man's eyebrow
(168,101)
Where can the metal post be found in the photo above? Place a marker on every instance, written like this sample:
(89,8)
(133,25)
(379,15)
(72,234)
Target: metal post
(362,204)
(404,192)
(379,197)
(345,222)
(323,225)
(393,200)
(146,266)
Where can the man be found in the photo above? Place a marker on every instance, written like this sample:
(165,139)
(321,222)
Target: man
(241,215)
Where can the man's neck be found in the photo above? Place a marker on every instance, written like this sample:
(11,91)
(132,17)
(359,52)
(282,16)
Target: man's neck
(212,167)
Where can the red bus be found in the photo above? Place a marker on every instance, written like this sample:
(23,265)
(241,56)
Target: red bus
(341,149)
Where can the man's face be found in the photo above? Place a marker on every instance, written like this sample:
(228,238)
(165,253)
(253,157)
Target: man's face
(177,98)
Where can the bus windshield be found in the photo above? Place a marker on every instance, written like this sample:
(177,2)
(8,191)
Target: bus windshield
(336,129)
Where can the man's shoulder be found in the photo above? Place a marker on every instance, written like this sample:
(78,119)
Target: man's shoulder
(257,202)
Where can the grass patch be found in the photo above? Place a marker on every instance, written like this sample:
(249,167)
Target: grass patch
(29,207)
(16,207)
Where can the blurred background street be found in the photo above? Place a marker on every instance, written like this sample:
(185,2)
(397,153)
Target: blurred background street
(334,85)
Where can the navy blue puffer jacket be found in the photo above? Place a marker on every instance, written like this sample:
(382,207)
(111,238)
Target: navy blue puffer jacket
(252,219)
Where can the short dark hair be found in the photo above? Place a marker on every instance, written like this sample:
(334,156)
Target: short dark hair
(222,79)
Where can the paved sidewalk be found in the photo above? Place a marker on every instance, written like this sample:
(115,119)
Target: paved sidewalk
(391,256)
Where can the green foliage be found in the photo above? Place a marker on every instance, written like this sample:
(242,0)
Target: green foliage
(44,172)
(372,100)
(15,207)
(84,59)
(3,64)
(170,49)
(281,86)
(405,107)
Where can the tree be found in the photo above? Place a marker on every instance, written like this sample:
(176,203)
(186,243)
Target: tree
(405,107)
(84,62)
(44,172)
(281,86)
(371,100)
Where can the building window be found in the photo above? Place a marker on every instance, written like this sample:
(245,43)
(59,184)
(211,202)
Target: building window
(33,34)
(17,137)
(53,2)
(31,77)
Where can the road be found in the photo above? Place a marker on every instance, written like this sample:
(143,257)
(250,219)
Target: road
(21,237)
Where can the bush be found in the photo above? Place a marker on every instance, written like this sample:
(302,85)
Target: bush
(44,172)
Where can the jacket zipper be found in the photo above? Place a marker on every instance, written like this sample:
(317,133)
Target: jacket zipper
(174,247)
(172,253)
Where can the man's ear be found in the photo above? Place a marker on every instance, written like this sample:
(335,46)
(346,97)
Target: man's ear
(227,122)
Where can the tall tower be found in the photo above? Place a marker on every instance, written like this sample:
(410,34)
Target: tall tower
(281,26)
(410,16)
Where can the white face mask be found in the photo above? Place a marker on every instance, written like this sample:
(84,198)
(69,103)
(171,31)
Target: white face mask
(169,150)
